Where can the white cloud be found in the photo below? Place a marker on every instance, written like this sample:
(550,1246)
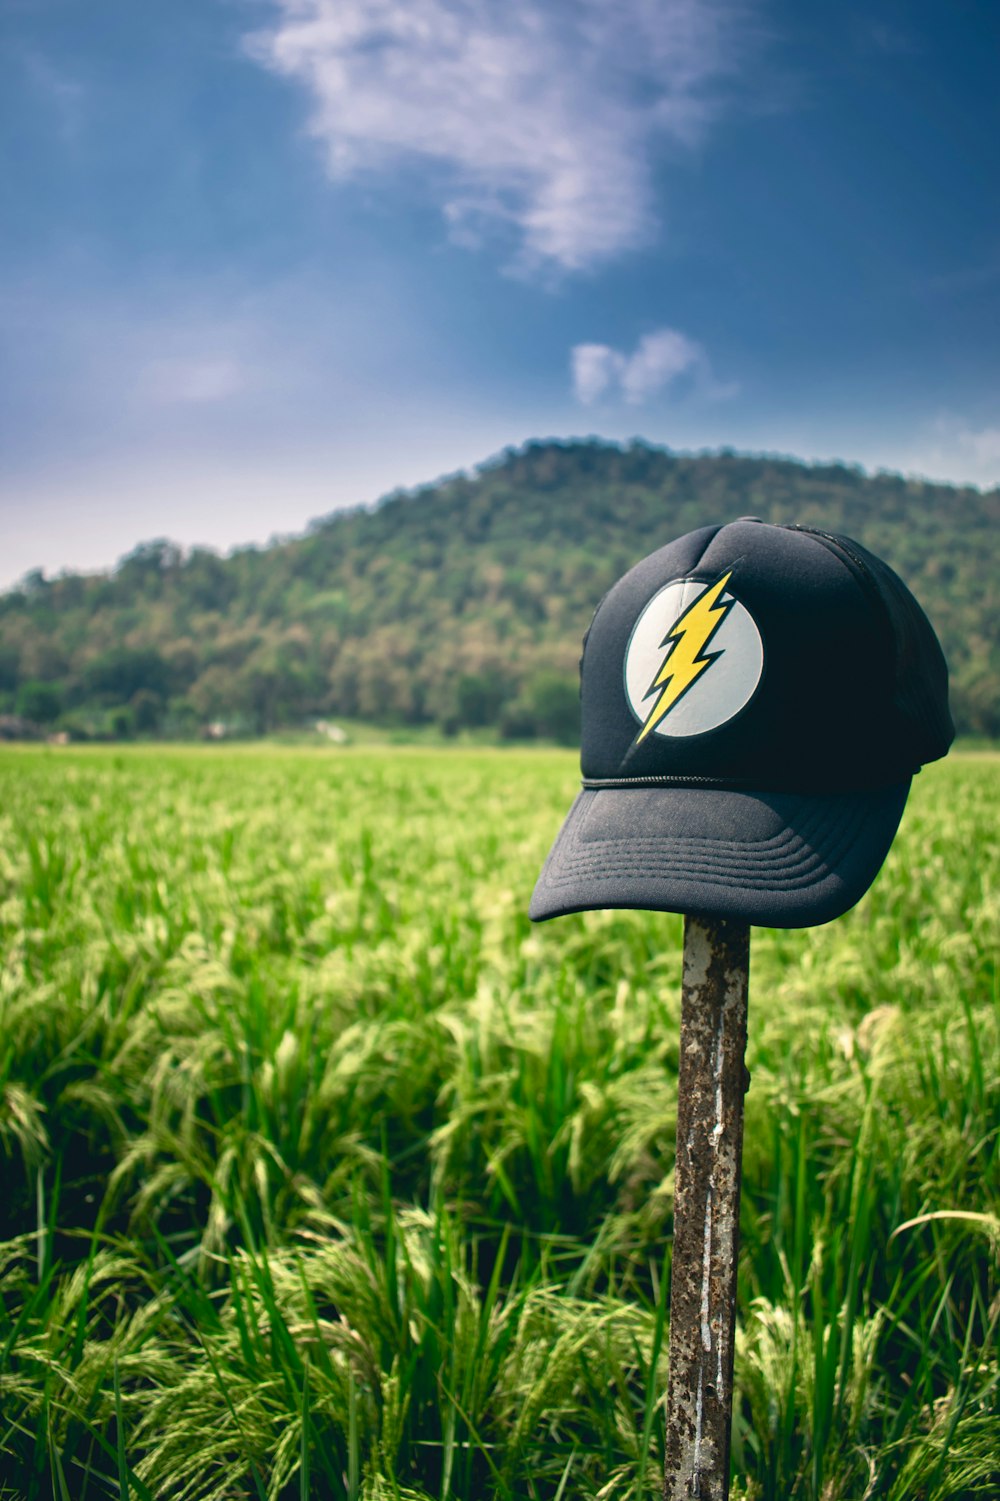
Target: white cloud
(658,360)
(983,446)
(959,449)
(595,367)
(545,117)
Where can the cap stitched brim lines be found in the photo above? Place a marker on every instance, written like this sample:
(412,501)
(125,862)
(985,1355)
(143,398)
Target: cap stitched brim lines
(776,860)
(755,700)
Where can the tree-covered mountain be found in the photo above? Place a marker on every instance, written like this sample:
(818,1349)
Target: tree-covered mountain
(464,602)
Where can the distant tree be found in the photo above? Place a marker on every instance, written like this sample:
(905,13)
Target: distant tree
(147,711)
(40,702)
(548,706)
(180,720)
(976,701)
(43,656)
(144,569)
(517,722)
(208,580)
(69,591)
(275,686)
(34,584)
(10,662)
(217,694)
(479,697)
(555,704)
(119,674)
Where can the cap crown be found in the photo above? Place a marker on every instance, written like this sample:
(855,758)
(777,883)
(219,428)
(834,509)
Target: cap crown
(767,657)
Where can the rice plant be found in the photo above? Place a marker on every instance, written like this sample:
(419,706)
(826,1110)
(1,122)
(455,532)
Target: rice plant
(326,1174)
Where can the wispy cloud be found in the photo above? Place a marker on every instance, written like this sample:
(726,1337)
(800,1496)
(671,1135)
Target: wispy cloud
(116,365)
(659,360)
(544,117)
(198,380)
(61,96)
(956,448)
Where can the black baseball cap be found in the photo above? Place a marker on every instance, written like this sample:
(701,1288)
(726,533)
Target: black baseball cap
(755,701)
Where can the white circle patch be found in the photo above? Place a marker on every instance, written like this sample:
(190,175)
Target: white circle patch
(694,659)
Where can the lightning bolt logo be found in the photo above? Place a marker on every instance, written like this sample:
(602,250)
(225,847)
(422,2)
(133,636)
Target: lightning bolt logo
(686,657)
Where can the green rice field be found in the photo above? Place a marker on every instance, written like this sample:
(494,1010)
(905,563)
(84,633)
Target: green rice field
(325,1174)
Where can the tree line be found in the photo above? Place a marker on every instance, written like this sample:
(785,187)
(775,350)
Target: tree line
(462,603)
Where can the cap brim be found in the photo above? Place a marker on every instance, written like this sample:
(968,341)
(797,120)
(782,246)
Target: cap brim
(781,860)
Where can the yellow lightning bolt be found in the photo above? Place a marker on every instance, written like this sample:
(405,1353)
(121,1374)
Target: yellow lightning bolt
(684,662)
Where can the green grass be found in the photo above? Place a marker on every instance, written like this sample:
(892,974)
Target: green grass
(326,1175)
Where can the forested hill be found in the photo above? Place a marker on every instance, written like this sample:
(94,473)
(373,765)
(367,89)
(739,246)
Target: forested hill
(462,603)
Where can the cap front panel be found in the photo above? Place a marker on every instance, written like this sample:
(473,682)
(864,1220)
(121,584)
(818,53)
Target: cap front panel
(762,666)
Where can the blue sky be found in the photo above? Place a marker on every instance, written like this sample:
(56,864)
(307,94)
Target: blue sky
(263,258)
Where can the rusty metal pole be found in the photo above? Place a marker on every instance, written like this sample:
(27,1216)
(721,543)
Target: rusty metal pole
(710,1087)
